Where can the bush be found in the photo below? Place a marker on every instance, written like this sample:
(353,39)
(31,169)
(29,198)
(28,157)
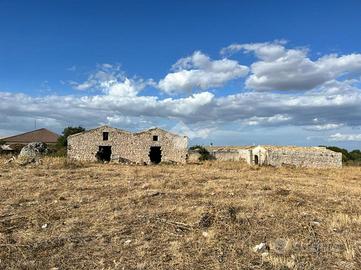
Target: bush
(56,151)
(205,155)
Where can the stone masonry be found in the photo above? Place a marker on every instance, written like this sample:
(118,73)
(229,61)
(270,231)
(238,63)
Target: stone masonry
(127,146)
(313,157)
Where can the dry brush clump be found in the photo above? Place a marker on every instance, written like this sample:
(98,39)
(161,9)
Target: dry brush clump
(201,216)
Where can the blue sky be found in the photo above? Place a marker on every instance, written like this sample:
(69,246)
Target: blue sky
(227,72)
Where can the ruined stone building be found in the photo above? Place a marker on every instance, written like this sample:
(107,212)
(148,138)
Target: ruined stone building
(313,157)
(111,144)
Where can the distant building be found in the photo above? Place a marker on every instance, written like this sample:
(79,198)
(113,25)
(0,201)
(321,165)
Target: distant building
(313,157)
(39,135)
(111,144)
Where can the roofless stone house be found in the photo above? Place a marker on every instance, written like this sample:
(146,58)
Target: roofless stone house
(106,143)
(312,157)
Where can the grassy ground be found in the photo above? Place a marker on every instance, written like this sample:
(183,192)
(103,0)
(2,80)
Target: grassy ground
(209,216)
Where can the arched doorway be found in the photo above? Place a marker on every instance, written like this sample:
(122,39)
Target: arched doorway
(256,159)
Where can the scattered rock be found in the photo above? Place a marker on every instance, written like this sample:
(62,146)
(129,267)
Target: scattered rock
(10,160)
(280,246)
(44,226)
(31,153)
(127,242)
(154,193)
(205,234)
(145,186)
(261,248)
(316,223)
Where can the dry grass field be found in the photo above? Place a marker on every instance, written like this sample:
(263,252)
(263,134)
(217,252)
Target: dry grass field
(205,216)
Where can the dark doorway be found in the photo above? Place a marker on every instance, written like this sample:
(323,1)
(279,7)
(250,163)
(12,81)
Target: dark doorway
(104,153)
(256,159)
(155,154)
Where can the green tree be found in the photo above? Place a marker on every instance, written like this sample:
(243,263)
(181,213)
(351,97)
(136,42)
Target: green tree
(2,142)
(355,155)
(63,139)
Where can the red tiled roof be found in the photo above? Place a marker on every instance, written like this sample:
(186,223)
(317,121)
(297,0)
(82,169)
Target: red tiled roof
(39,135)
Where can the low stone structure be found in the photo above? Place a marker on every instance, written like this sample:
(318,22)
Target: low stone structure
(111,144)
(314,157)
(230,153)
(193,156)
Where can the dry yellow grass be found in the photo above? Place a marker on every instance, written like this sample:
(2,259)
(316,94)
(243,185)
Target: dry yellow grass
(208,216)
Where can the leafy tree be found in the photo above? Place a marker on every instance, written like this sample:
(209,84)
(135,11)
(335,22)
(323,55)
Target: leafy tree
(63,139)
(355,155)
(205,155)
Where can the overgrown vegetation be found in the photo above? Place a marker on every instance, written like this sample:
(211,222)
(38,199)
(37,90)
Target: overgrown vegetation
(2,142)
(205,155)
(352,157)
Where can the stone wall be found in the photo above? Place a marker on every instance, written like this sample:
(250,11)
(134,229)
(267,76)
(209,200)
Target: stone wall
(312,159)
(231,155)
(193,156)
(134,147)
(174,148)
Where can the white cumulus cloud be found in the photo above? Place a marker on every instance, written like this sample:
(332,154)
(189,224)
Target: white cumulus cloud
(198,71)
(279,68)
(345,137)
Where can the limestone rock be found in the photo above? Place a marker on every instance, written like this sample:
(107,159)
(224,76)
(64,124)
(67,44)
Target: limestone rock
(261,248)
(32,153)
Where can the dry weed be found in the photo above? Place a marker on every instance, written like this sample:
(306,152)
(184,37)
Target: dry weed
(64,215)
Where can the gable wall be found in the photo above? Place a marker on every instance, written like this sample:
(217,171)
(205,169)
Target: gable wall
(173,147)
(85,146)
(131,146)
